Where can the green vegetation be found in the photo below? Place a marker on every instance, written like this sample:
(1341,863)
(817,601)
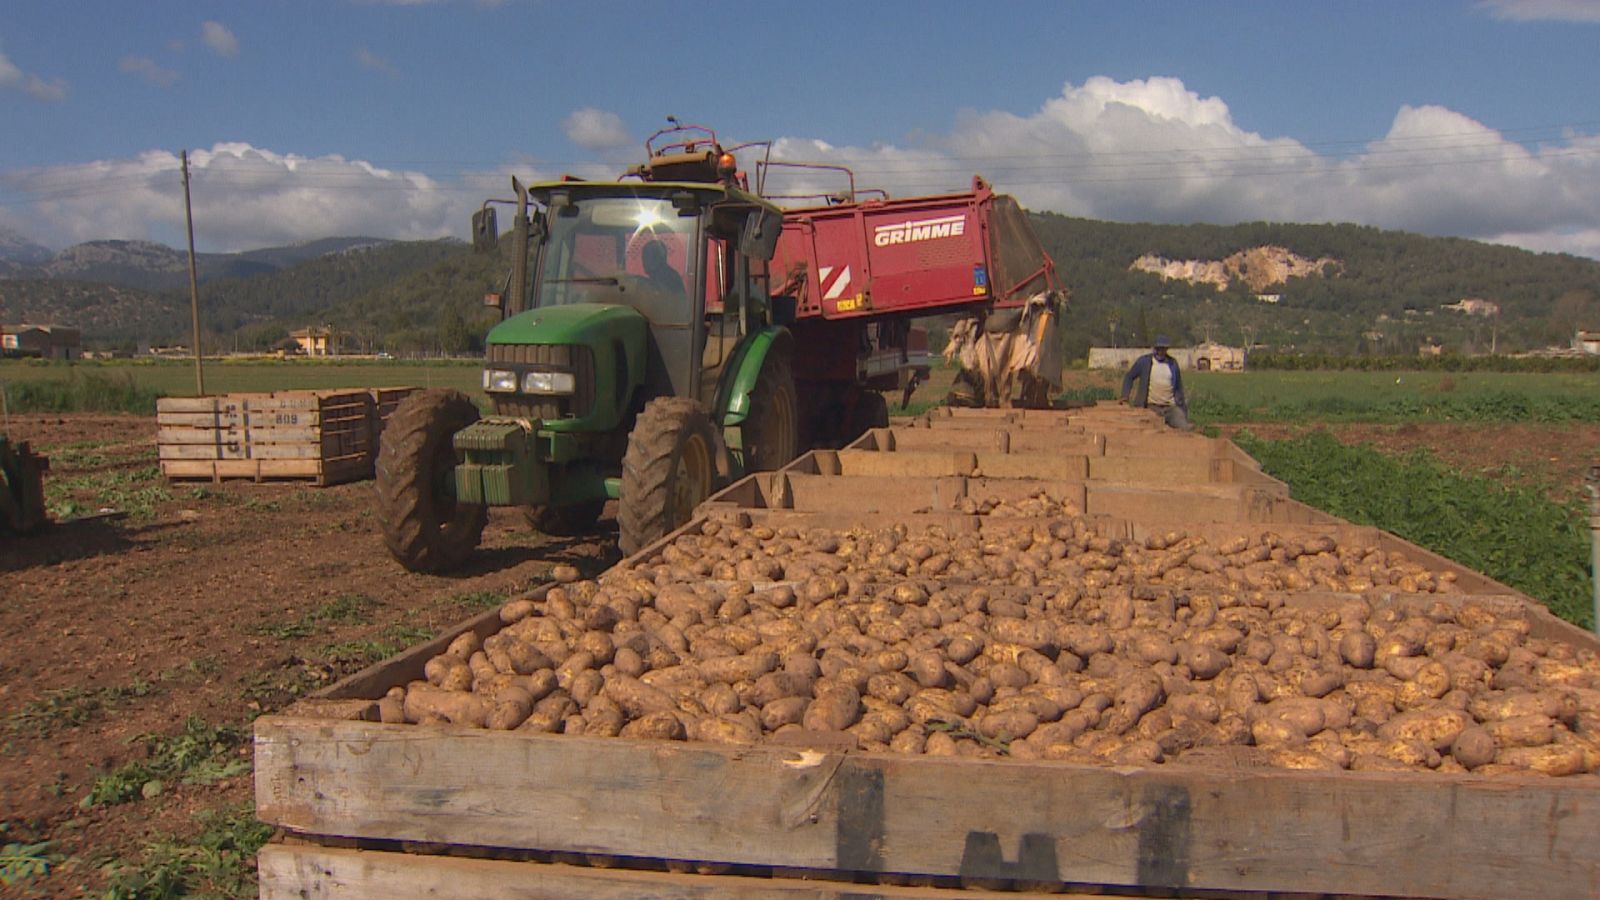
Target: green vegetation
(1512,534)
(1393,397)
(71,707)
(175,378)
(219,861)
(136,492)
(343,608)
(79,391)
(21,862)
(199,754)
(478,600)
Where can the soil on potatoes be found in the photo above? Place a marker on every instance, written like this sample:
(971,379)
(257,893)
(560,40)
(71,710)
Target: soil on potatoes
(219,601)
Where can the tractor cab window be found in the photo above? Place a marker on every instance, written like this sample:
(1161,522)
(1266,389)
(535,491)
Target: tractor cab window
(596,245)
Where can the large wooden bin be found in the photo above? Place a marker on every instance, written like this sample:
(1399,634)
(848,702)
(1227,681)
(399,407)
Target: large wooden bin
(381,810)
(325,436)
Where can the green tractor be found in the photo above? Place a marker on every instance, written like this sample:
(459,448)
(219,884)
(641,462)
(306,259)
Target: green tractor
(639,359)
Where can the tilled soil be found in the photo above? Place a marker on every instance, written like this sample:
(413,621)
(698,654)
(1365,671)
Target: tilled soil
(214,601)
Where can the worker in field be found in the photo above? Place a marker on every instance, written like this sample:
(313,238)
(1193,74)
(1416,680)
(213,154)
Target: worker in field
(1160,387)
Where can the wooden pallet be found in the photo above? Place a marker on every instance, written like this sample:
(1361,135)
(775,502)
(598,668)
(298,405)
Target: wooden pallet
(325,436)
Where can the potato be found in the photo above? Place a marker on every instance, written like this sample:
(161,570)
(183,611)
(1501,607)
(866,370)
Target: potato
(661,726)
(835,708)
(748,667)
(636,698)
(1553,759)
(728,729)
(1474,747)
(1438,728)
(1532,730)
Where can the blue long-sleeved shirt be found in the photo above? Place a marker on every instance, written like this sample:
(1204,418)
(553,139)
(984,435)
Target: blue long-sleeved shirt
(1140,372)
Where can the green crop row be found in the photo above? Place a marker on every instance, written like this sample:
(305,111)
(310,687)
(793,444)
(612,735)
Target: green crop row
(1514,535)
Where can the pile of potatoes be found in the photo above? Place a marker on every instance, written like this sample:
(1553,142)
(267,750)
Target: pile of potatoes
(1041,641)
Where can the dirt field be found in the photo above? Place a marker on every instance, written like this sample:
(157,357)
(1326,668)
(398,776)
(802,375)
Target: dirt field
(135,651)
(218,602)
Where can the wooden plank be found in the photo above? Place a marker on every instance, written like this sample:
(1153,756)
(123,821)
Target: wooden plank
(309,872)
(243,450)
(1052,467)
(254,434)
(241,468)
(1175,827)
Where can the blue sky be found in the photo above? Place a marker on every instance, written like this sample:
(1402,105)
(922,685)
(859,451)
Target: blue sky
(394,119)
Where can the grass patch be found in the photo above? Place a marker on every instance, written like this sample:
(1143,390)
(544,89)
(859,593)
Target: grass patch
(71,707)
(83,391)
(1513,534)
(1394,397)
(477,601)
(343,608)
(219,861)
(138,492)
(199,754)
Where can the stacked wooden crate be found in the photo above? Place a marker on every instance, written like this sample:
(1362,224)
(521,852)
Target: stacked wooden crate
(325,436)
(386,810)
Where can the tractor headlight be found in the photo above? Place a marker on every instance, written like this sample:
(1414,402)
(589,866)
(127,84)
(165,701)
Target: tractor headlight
(549,383)
(499,381)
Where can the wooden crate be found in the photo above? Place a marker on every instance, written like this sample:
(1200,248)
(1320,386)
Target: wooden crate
(353,794)
(325,436)
(375,810)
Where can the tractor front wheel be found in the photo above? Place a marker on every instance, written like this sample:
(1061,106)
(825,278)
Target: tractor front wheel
(423,525)
(670,466)
(772,429)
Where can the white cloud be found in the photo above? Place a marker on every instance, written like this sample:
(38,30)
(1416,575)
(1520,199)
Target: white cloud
(373,62)
(243,197)
(149,70)
(221,41)
(1543,10)
(1152,150)
(13,78)
(1141,150)
(595,129)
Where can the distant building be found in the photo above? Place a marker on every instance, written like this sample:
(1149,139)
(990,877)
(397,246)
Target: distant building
(44,341)
(316,341)
(1587,342)
(1207,357)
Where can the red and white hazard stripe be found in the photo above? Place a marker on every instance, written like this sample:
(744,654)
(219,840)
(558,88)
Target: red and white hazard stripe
(833,287)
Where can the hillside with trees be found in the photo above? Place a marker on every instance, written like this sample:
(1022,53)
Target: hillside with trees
(1385,297)
(1381,293)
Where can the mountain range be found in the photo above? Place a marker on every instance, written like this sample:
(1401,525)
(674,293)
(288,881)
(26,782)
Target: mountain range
(1325,288)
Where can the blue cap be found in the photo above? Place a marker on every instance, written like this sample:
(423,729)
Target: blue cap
(1162,341)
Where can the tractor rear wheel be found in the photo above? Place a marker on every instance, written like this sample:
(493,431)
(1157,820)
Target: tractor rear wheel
(772,430)
(670,466)
(565,521)
(423,525)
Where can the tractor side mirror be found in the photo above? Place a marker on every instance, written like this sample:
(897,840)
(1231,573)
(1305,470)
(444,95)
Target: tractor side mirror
(759,237)
(485,231)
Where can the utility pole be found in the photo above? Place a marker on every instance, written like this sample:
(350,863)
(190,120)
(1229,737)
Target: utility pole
(194,284)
